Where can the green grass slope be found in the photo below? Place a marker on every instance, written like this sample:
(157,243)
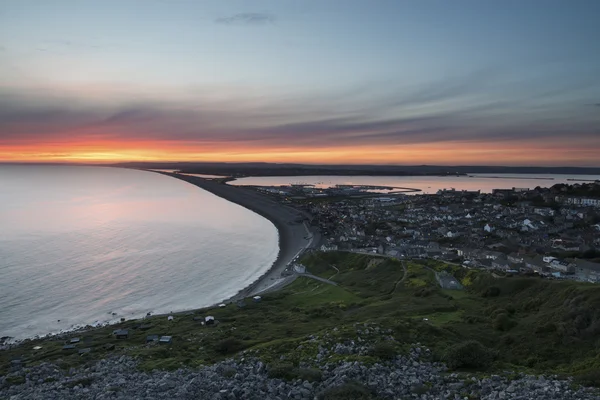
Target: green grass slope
(525,323)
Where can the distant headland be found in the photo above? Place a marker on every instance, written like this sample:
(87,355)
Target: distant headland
(276,169)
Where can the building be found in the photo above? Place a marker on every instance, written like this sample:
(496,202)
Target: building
(581,201)
(121,334)
(151,338)
(166,340)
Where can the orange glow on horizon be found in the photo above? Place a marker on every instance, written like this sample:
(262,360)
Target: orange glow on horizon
(448,153)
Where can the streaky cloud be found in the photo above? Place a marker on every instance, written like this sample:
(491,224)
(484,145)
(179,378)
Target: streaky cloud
(247,19)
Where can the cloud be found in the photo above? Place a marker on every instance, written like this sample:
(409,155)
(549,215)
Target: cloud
(248,119)
(247,19)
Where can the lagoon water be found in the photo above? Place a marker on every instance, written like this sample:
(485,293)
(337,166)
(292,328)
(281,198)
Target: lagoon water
(427,184)
(80,243)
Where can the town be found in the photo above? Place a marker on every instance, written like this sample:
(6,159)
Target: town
(552,232)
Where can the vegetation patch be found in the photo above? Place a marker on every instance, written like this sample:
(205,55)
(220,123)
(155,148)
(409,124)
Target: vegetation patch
(539,325)
(469,354)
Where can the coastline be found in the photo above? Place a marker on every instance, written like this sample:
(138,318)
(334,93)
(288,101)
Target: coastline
(293,234)
(294,237)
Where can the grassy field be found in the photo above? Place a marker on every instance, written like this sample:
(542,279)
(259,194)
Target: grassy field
(531,324)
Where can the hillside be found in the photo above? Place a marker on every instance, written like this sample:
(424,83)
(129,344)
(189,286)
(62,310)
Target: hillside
(386,306)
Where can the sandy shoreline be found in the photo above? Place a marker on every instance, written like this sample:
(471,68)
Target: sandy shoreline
(294,235)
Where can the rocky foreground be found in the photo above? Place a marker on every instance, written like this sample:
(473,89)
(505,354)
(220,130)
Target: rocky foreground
(404,377)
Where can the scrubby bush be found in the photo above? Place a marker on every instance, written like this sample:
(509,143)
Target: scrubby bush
(288,372)
(348,391)
(423,292)
(309,374)
(503,322)
(228,346)
(384,351)
(281,371)
(589,378)
(492,291)
(473,319)
(507,340)
(469,354)
(546,328)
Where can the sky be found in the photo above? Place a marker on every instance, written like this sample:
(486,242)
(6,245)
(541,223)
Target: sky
(461,82)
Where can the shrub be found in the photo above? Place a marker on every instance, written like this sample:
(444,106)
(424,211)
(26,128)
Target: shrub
(288,372)
(15,380)
(384,351)
(546,328)
(228,346)
(348,391)
(281,371)
(507,340)
(502,322)
(589,378)
(469,354)
(309,374)
(423,292)
(492,291)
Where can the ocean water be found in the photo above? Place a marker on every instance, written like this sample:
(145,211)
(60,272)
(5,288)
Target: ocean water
(80,243)
(427,184)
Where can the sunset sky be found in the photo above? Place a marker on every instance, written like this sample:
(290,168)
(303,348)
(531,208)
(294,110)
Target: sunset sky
(326,81)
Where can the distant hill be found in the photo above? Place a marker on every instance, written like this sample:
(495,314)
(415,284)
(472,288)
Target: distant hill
(273,169)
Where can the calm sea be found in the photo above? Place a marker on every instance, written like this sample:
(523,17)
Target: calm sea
(427,184)
(80,243)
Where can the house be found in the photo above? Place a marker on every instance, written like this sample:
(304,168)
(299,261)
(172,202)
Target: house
(587,270)
(151,338)
(75,340)
(121,334)
(68,347)
(165,340)
(515,258)
(544,211)
(84,351)
(393,253)
(210,320)
(257,299)
(299,269)
(582,201)
(528,225)
(493,255)
(483,263)
(535,263)
(433,246)
(561,265)
(501,264)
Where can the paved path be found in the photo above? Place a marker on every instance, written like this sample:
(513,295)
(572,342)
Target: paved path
(319,279)
(401,279)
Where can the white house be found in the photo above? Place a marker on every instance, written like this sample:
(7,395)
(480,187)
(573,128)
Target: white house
(527,223)
(581,201)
